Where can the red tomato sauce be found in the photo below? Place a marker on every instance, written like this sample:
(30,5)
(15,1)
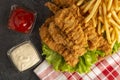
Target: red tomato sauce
(21,20)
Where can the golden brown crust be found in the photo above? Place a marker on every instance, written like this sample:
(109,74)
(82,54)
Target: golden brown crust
(52,7)
(64,3)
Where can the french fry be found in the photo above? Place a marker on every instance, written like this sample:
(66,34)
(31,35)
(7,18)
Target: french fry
(83,6)
(104,9)
(109,15)
(113,35)
(116,4)
(94,22)
(111,29)
(88,6)
(107,30)
(118,9)
(100,19)
(116,33)
(80,2)
(109,5)
(113,23)
(94,19)
(100,10)
(113,43)
(102,30)
(93,11)
(119,14)
(114,15)
(99,28)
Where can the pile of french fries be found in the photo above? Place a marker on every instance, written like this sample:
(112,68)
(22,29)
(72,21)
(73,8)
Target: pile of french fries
(105,15)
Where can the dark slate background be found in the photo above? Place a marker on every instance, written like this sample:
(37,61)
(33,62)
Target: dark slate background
(9,38)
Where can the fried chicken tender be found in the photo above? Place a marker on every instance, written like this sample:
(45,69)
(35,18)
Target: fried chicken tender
(68,22)
(64,35)
(104,46)
(64,3)
(95,41)
(66,53)
(52,7)
(92,36)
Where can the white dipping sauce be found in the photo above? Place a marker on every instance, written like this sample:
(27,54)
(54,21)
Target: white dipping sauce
(24,56)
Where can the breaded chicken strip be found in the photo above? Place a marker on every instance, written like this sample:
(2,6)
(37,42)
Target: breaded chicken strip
(64,3)
(95,41)
(68,22)
(52,7)
(70,58)
(63,34)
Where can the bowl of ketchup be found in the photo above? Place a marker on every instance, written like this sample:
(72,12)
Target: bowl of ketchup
(21,19)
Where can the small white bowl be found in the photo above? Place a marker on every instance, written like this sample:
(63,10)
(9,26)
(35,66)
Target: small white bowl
(24,56)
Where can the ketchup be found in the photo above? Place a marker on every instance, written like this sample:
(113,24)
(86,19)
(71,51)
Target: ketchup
(21,20)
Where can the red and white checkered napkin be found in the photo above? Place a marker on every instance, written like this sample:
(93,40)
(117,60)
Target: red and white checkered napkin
(108,69)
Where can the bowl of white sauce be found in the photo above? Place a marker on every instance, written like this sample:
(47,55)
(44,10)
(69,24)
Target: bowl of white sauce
(24,56)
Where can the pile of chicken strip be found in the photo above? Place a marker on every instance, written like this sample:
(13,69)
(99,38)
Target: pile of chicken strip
(66,32)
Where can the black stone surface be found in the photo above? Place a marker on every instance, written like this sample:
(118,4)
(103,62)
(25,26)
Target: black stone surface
(9,38)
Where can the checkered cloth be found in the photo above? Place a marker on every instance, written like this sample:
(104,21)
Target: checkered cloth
(108,69)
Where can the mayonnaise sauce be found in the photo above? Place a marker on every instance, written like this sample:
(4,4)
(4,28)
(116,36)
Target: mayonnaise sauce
(24,56)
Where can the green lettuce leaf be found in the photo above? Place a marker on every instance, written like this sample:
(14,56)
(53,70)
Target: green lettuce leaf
(84,64)
(116,47)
